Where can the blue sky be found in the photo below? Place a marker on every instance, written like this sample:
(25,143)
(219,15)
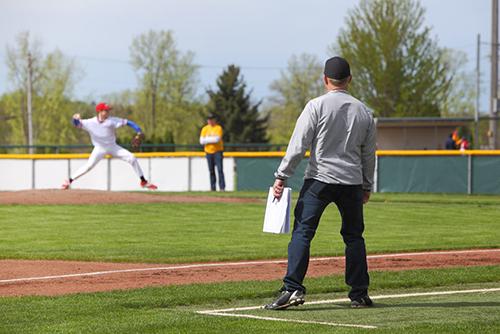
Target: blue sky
(259,35)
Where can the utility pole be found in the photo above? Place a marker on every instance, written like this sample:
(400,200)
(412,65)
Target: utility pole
(28,93)
(494,76)
(478,92)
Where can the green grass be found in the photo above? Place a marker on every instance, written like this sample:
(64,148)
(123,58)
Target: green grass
(473,312)
(173,232)
(172,309)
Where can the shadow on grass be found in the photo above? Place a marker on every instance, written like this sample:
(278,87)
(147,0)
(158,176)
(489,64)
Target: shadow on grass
(383,305)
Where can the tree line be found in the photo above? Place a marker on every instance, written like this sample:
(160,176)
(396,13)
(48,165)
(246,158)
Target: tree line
(398,69)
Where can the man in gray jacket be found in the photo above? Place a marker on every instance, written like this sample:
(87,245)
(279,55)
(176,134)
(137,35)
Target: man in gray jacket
(340,132)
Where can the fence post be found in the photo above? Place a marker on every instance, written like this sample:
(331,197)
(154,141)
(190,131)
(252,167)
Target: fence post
(189,174)
(150,170)
(33,175)
(69,168)
(469,174)
(109,175)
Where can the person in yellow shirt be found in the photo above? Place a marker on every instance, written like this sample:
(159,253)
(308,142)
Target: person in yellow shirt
(211,137)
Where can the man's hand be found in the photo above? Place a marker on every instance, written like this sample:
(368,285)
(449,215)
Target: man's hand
(77,116)
(366,196)
(278,187)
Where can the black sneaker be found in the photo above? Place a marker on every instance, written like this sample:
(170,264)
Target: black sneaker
(361,302)
(287,299)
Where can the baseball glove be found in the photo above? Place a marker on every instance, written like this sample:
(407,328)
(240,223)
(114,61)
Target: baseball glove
(137,141)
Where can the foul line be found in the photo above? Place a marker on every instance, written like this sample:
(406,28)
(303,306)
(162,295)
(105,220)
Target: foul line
(234,264)
(226,312)
(290,320)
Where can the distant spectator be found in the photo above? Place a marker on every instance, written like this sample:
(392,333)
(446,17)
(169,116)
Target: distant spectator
(464,144)
(211,139)
(456,138)
(450,143)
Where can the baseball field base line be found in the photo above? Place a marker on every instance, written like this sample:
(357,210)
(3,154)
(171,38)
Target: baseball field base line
(236,264)
(229,312)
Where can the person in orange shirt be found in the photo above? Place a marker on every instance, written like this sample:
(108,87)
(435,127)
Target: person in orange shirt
(211,137)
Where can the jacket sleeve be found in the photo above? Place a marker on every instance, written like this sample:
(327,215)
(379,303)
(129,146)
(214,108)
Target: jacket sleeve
(134,126)
(202,136)
(368,149)
(300,141)
(209,140)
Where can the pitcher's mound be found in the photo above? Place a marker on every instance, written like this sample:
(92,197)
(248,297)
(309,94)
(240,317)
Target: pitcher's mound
(56,196)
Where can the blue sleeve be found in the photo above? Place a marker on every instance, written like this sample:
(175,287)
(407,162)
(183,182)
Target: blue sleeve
(134,126)
(76,122)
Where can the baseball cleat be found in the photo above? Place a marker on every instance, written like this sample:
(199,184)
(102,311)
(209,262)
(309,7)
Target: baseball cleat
(150,186)
(287,299)
(65,185)
(361,302)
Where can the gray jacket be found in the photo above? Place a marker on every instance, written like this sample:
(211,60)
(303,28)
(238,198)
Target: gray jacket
(340,132)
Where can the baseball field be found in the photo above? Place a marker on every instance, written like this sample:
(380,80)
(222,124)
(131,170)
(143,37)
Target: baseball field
(104,262)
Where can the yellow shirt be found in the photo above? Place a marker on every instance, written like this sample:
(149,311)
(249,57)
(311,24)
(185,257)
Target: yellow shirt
(209,131)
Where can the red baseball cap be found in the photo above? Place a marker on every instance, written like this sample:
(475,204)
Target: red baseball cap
(102,106)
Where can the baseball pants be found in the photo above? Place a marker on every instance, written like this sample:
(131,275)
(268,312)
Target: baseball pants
(98,153)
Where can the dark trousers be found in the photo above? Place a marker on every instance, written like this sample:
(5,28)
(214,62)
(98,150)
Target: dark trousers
(313,199)
(215,160)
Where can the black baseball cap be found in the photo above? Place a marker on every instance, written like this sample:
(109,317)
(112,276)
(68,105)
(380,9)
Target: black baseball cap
(337,68)
(211,116)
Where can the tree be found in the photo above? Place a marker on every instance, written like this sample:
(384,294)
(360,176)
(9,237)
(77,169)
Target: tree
(296,86)
(232,105)
(460,100)
(18,69)
(53,78)
(53,99)
(7,117)
(182,126)
(398,69)
(167,82)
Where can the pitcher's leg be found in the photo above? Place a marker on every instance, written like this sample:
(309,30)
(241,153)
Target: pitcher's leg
(96,156)
(308,211)
(125,155)
(350,204)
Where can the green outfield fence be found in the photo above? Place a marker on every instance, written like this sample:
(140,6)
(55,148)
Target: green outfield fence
(468,172)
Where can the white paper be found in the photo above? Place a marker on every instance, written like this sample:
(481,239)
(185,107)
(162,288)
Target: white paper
(277,217)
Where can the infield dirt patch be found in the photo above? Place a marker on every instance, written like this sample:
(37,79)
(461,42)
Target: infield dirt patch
(85,197)
(98,276)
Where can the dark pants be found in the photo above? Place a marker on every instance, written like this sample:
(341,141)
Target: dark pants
(215,160)
(313,199)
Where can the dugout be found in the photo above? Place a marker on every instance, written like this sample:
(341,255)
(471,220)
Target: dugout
(420,133)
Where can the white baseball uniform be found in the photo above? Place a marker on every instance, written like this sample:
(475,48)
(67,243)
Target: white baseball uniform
(103,138)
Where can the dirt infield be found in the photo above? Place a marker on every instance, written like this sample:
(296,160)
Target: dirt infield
(84,197)
(22,277)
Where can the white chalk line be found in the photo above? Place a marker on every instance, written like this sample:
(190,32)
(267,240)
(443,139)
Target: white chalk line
(233,264)
(226,312)
(290,320)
